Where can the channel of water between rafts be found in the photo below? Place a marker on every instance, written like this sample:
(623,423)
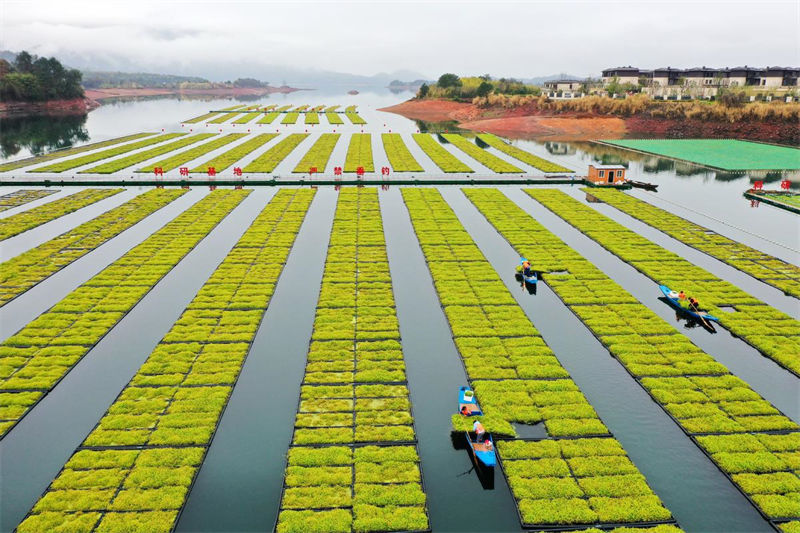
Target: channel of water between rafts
(766,293)
(774,383)
(239,485)
(41,297)
(36,449)
(26,240)
(699,496)
(456,498)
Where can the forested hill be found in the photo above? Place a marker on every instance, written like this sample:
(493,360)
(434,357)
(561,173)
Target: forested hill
(29,78)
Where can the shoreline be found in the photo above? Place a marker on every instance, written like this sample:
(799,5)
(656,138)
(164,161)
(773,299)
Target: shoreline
(533,124)
(93,98)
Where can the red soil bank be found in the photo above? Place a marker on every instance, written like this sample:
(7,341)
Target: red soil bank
(528,122)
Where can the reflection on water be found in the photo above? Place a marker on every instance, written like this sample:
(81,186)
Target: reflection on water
(559,148)
(447,126)
(39,134)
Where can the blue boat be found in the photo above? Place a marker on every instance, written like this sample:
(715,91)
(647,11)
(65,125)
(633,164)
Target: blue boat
(528,279)
(466,398)
(672,298)
(482,451)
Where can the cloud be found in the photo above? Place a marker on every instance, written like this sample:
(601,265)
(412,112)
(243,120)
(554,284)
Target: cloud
(522,38)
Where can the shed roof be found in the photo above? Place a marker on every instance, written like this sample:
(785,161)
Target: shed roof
(605,167)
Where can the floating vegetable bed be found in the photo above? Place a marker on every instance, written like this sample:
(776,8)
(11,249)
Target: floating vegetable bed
(443,159)
(701,396)
(319,154)
(774,333)
(22,197)
(27,220)
(771,270)
(354,394)
(180,158)
(124,162)
(399,156)
(492,162)
(38,356)
(12,165)
(270,159)
(224,160)
(517,153)
(359,153)
(22,272)
(138,464)
(69,164)
(519,380)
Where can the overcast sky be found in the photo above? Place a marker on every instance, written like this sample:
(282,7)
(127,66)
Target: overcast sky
(522,39)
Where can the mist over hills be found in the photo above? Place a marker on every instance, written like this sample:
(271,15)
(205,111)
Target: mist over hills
(276,74)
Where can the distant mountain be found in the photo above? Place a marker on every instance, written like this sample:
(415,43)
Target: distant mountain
(541,79)
(231,70)
(397,84)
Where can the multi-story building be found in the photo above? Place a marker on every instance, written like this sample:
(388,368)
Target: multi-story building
(706,77)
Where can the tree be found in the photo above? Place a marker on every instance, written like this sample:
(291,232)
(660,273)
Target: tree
(23,62)
(448,80)
(423,90)
(32,78)
(484,88)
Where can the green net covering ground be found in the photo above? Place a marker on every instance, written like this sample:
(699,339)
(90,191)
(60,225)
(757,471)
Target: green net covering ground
(726,154)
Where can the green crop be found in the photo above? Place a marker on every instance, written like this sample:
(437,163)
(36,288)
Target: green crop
(27,269)
(312,118)
(105,154)
(13,165)
(193,153)
(59,521)
(319,154)
(27,220)
(223,161)
(268,118)
(171,424)
(399,156)
(201,118)
(779,505)
(354,117)
(22,197)
(355,341)
(359,153)
(443,159)
(138,522)
(246,117)
(751,321)
(124,162)
(270,159)
(290,118)
(333,118)
(223,118)
(667,365)
(333,521)
(389,518)
(517,153)
(497,341)
(760,265)
(488,160)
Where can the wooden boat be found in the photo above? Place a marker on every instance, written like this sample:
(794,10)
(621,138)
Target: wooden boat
(466,398)
(528,279)
(482,452)
(643,185)
(672,298)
